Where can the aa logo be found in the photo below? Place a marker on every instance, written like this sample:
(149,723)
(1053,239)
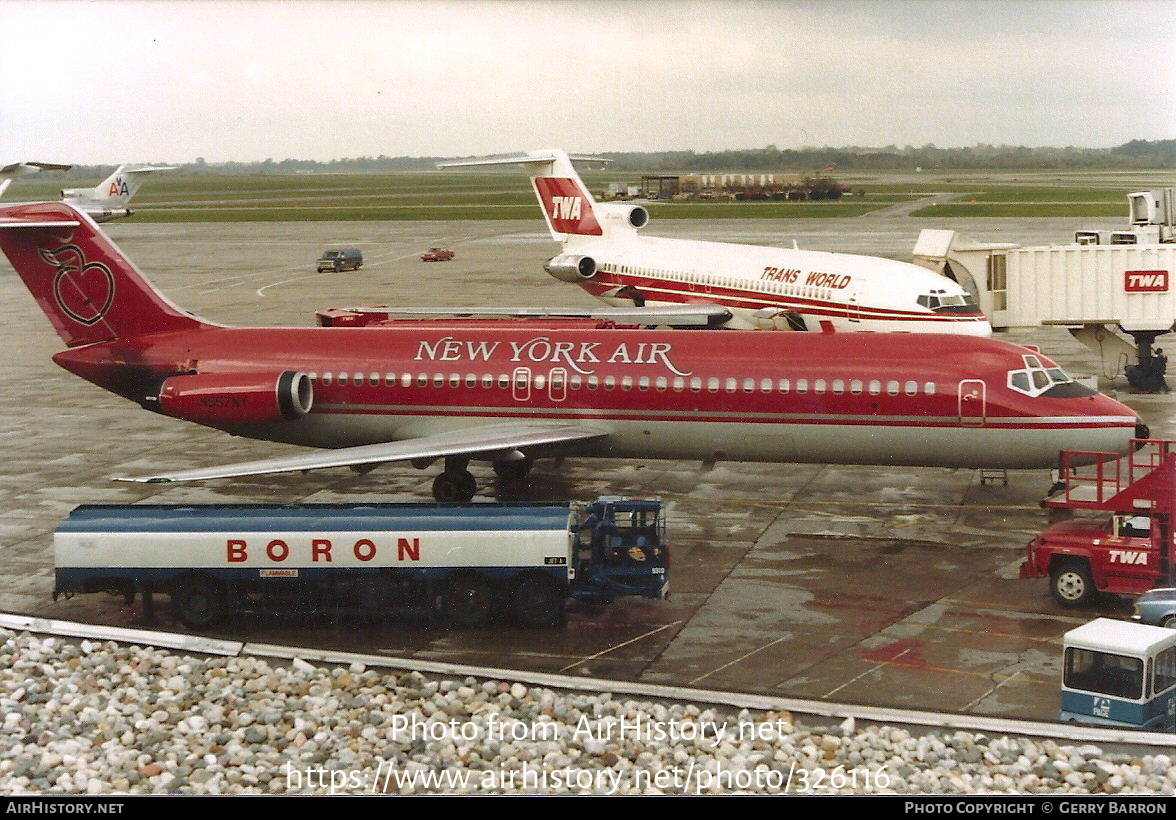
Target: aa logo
(119,188)
(83,290)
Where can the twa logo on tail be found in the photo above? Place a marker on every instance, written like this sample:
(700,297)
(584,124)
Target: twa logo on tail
(567,205)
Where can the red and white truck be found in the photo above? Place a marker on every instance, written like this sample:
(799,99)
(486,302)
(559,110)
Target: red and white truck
(1128,549)
(437,255)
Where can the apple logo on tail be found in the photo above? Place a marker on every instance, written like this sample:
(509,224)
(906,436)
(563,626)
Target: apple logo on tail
(83,290)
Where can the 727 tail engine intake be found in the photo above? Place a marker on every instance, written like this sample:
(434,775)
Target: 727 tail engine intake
(571,267)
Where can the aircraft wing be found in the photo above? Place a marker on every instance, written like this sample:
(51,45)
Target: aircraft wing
(703,315)
(486,441)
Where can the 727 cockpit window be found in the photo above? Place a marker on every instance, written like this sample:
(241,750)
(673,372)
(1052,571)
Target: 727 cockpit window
(939,298)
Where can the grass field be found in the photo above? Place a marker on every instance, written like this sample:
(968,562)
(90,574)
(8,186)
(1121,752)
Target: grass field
(458,195)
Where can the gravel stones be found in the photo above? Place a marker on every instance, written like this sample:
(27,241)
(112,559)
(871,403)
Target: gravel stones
(96,717)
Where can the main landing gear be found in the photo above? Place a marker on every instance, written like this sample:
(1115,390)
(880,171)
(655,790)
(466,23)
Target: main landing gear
(457,484)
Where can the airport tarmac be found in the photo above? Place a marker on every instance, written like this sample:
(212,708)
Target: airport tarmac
(879,586)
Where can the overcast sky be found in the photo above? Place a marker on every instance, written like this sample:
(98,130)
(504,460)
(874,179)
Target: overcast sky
(111,81)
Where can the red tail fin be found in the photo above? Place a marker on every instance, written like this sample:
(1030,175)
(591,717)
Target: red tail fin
(89,290)
(567,205)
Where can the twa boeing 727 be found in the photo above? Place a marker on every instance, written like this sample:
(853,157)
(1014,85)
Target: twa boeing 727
(511,392)
(745,286)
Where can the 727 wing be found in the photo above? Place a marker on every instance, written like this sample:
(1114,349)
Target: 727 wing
(684,315)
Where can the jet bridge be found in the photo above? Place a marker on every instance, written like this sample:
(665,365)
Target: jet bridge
(1116,297)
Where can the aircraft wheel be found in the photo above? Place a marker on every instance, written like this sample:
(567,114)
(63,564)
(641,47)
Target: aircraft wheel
(513,470)
(537,600)
(454,486)
(467,599)
(1072,584)
(198,601)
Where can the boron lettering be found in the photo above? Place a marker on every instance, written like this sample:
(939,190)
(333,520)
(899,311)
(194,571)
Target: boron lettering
(317,550)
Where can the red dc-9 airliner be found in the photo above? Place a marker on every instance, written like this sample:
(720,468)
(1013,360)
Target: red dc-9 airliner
(508,392)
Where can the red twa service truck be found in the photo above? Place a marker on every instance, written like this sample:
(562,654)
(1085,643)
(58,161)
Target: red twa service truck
(461,562)
(1129,551)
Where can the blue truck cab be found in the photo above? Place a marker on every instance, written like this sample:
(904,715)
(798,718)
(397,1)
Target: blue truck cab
(1121,674)
(620,550)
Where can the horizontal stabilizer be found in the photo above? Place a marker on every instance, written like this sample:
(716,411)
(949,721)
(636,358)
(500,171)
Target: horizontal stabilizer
(543,157)
(147,169)
(23,169)
(9,222)
(485,441)
(20,169)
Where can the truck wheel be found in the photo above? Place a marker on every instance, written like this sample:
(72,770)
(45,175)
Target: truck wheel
(198,601)
(537,600)
(467,599)
(1072,584)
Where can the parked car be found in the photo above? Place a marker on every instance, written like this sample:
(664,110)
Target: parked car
(437,255)
(339,259)
(1157,607)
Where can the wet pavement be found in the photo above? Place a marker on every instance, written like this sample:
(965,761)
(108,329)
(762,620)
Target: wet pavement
(868,585)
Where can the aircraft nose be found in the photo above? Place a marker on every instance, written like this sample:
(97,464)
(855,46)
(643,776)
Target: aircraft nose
(1141,429)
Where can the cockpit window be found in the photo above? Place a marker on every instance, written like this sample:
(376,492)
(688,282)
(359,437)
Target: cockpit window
(940,299)
(1038,378)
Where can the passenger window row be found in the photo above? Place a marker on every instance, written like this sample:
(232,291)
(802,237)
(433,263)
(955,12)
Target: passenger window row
(678,384)
(738,283)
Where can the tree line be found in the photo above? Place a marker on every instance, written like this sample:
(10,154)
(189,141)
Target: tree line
(1133,154)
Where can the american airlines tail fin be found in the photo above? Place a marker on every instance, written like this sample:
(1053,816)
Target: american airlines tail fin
(85,285)
(567,205)
(110,198)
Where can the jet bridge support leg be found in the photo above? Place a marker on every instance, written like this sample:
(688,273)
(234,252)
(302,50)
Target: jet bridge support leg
(1148,374)
(1116,353)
